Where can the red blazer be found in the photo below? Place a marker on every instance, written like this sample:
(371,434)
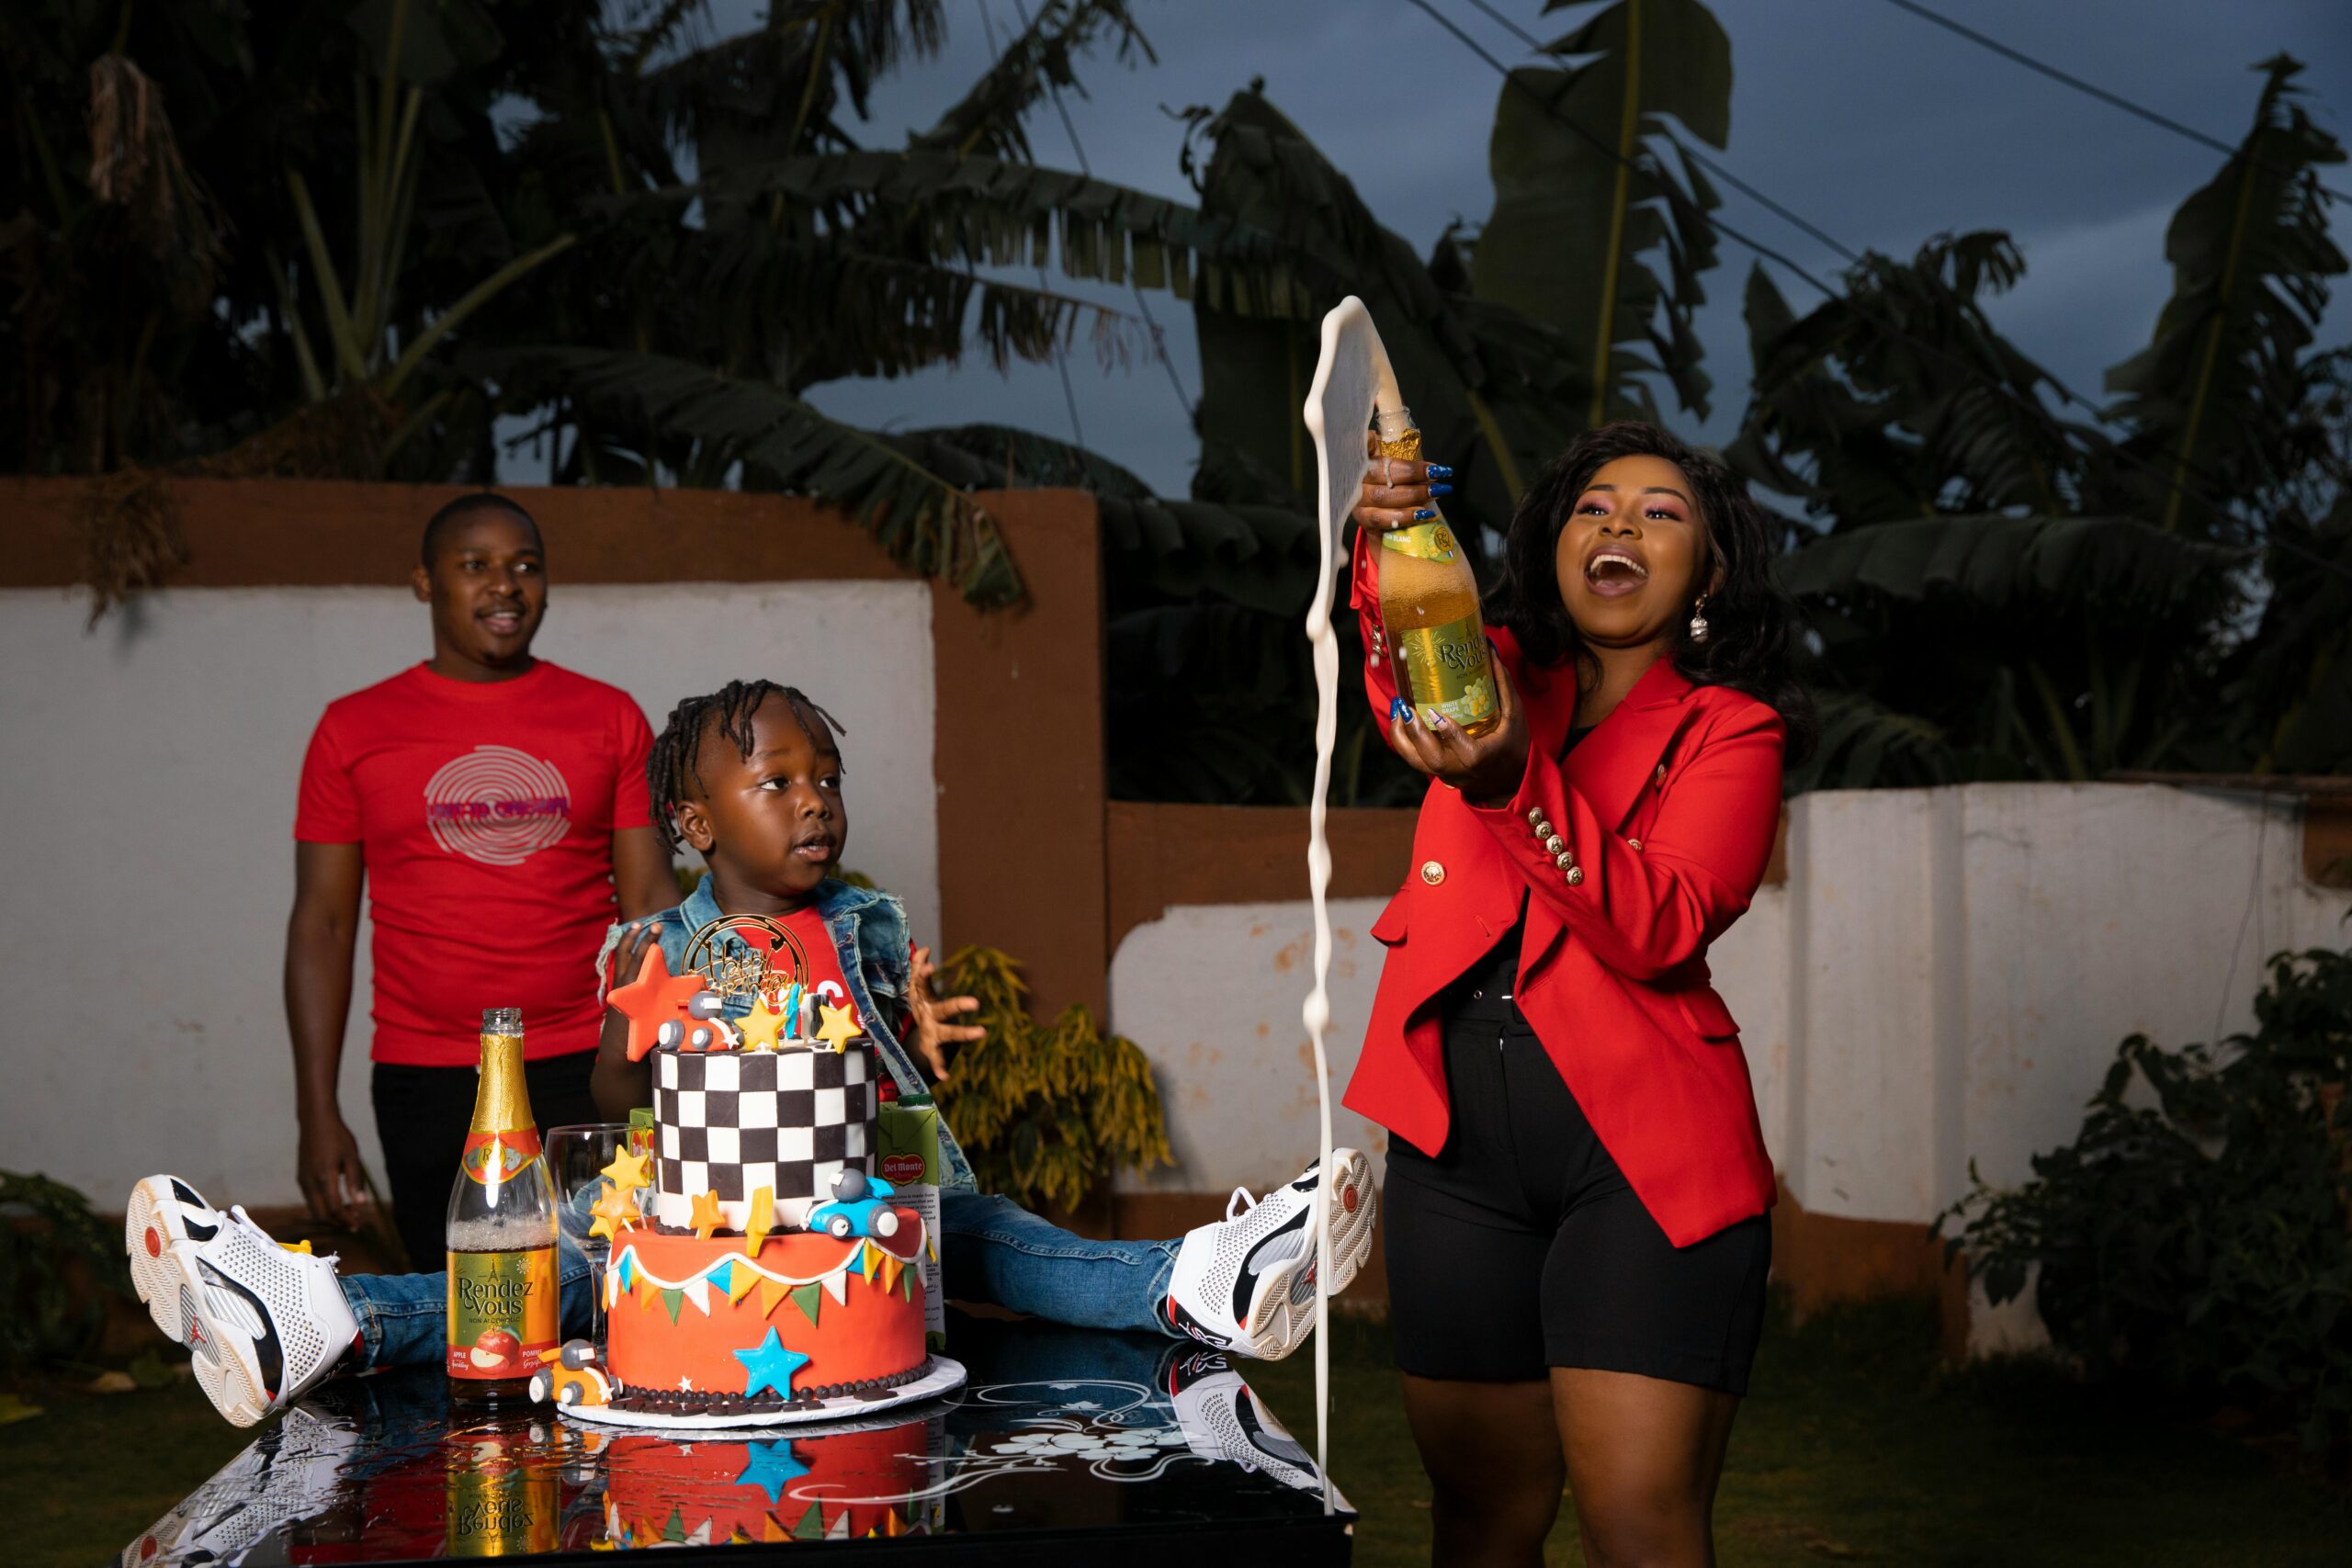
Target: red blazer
(1669,809)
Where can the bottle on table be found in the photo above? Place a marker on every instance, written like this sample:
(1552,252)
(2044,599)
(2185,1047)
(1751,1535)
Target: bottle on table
(1429,607)
(502,1229)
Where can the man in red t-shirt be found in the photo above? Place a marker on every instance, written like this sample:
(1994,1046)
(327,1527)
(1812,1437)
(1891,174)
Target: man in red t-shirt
(492,805)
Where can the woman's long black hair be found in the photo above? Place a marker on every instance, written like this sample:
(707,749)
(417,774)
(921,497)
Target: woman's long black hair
(1750,622)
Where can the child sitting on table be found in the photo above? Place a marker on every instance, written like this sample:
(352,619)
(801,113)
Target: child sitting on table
(750,776)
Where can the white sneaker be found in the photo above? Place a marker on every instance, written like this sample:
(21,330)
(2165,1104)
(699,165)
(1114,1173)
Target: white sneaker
(1247,1282)
(1222,1420)
(164,1211)
(293,1472)
(264,1323)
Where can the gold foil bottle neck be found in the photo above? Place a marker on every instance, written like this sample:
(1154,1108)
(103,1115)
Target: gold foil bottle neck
(1396,435)
(503,1099)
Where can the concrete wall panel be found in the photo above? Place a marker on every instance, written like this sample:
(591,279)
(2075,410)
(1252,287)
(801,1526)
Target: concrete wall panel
(1211,994)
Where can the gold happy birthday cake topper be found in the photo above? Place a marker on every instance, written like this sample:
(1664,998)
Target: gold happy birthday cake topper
(746,971)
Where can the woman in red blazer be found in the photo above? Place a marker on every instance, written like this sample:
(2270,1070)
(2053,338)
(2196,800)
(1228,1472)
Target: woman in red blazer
(1577,1237)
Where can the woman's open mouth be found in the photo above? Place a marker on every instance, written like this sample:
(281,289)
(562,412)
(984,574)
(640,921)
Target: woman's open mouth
(1612,572)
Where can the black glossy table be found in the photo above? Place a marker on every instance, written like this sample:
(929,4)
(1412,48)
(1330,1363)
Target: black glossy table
(1065,1447)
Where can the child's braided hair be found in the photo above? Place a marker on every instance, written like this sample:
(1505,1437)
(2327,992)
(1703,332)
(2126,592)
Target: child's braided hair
(728,710)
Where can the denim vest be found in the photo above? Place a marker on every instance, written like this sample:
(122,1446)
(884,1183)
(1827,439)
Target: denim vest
(870,941)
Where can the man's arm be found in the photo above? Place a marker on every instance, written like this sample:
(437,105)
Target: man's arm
(319,938)
(641,874)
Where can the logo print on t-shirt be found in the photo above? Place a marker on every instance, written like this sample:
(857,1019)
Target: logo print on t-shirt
(497,806)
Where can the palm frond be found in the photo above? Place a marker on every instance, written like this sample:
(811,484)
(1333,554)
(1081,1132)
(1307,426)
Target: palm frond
(1038,60)
(2251,255)
(2122,565)
(1865,745)
(699,420)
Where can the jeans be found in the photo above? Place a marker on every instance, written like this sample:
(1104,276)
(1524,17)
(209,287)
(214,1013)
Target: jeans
(992,1249)
(403,1318)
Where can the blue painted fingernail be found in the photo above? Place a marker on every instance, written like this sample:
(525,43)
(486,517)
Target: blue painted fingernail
(1422,514)
(1437,719)
(1439,471)
(1440,490)
(1399,708)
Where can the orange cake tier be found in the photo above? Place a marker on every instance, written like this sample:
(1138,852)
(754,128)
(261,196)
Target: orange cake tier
(716,1326)
(660,1490)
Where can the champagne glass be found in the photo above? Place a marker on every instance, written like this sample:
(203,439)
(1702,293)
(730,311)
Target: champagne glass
(576,1159)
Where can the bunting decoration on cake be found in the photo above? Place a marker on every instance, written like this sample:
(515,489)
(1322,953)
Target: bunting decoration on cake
(736,1275)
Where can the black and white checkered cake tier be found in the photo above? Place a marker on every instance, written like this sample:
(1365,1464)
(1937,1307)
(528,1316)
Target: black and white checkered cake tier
(734,1122)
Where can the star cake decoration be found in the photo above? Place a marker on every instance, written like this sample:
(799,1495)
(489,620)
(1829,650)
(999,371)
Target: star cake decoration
(768,1365)
(655,997)
(614,1211)
(762,1026)
(770,1465)
(838,1029)
(627,1171)
(707,1217)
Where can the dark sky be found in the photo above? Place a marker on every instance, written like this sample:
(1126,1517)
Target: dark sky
(1877,126)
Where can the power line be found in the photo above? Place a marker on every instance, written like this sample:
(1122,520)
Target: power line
(2114,99)
(1675,197)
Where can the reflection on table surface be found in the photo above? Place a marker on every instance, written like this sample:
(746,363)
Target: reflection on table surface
(1056,1429)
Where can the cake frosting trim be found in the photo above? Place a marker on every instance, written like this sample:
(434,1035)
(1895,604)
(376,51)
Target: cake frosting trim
(736,1275)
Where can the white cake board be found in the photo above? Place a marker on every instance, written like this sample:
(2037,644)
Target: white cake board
(942,1375)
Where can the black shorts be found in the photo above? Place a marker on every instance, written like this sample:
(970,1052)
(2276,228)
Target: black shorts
(1521,1247)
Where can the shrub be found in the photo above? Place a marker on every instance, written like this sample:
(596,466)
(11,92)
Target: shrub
(58,1263)
(2207,1239)
(1045,1110)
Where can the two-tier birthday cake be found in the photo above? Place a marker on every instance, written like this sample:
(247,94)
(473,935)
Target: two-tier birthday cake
(760,1271)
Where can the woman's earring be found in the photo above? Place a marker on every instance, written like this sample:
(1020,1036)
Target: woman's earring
(1699,620)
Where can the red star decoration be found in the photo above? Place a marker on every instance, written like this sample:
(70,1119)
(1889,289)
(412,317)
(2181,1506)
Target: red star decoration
(652,999)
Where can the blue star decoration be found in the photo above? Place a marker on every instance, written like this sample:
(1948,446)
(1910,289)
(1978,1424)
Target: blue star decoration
(770,1365)
(771,1465)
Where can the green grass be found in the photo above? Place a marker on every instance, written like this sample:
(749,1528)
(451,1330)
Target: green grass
(1855,1445)
(93,1469)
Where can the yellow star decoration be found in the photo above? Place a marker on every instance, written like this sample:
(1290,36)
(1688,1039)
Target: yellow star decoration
(837,1029)
(760,1221)
(614,1211)
(707,1217)
(759,1026)
(627,1171)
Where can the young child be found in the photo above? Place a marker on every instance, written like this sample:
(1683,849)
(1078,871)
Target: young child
(750,776)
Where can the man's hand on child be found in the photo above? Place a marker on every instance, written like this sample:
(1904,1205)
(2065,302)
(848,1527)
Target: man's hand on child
(933,1031)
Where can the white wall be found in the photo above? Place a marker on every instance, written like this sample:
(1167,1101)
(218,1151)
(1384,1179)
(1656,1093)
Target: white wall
(1945,975)
(1211,994)
(148,772)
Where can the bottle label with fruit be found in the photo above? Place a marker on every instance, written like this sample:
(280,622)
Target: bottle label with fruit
(502,1312)
(1443,669)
